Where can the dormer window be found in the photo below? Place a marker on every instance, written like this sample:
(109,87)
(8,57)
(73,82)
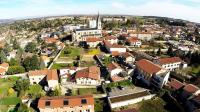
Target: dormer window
(83,101)
(47,103)
(65,102)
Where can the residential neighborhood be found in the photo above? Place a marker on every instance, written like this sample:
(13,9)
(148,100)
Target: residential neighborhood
(100,63)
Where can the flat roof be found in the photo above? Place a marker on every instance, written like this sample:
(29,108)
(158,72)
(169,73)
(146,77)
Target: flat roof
(129,96)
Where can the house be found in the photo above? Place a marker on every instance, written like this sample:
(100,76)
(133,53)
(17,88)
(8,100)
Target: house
(171,63)
(114,47)
(134,41)
(153,72)
(142,35)
(88,76)
(175,84)
(81,34)
(93,41)
(118,98)
(11,54)
(42,76)
(45,60)
(111,39)
(66,104)
(4,68)
(191,89)
(127,57)
(114,69)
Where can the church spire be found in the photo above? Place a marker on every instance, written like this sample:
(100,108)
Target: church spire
(98,21)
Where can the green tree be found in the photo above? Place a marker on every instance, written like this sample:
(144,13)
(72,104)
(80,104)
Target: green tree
(170,51)
(31,63)
(15,44)
(35,91)
(2,56)
(30,47)
(159,52)
(15,70)
(21,86)
(7,48)
(14,62)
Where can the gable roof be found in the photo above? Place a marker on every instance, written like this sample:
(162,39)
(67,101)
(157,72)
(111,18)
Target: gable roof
(51,74)
(57,101)
(113,66)
(133,40)
(190,88)
(163,61)
(92,72)
(175,84)
(148,66)
(93,39)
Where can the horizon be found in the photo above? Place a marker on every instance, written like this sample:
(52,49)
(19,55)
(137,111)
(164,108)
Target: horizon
(27,9)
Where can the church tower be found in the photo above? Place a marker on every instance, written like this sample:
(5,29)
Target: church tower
(98,22)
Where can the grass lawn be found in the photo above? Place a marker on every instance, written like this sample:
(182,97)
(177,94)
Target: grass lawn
(58,66)
(88,91)
(98,105)
(153,105)
(72,52)
(87,63)
(120,83)
(93,52)
(196,70)
(10,101)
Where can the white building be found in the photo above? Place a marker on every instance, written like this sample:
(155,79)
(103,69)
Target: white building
(150,70)
(82,34)
(171,63)
(118,98)
(92,23)
(114,47)
(88,76)
(128,57)
(112,39)
(39,76)
(134,41)
(114,69)
(93,41)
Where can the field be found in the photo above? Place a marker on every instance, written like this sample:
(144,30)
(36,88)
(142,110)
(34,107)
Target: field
(71,52)
(59,66)
(86,91)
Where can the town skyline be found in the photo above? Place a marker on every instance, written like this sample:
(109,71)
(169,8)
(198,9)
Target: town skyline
(179,9)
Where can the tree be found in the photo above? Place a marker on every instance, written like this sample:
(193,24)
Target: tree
(170,51)
(35,91)
(21,86)
(30,47)
(159,52)
(15,70)
(2,56)
(31,63)
(7,48)
(13,62)
(15,44)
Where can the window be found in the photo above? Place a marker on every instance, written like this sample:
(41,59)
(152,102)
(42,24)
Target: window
(88,110)
(65,102)
(47,103)
(83,101)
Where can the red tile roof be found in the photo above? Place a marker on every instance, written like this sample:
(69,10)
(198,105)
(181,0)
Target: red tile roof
(93,39)
(113,66)
(148,66)
(175,84)
(108,44)
(4,65)
(92,72)
(115,53)
(133,40)
(126,54)
(190,88)
(51,74)
(163,61)
(116,78)
(110,38)
(56,102)
(51,40)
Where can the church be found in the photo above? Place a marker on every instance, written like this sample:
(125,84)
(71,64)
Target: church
(95,30)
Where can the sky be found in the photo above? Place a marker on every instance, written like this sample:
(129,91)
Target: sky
(179,9)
